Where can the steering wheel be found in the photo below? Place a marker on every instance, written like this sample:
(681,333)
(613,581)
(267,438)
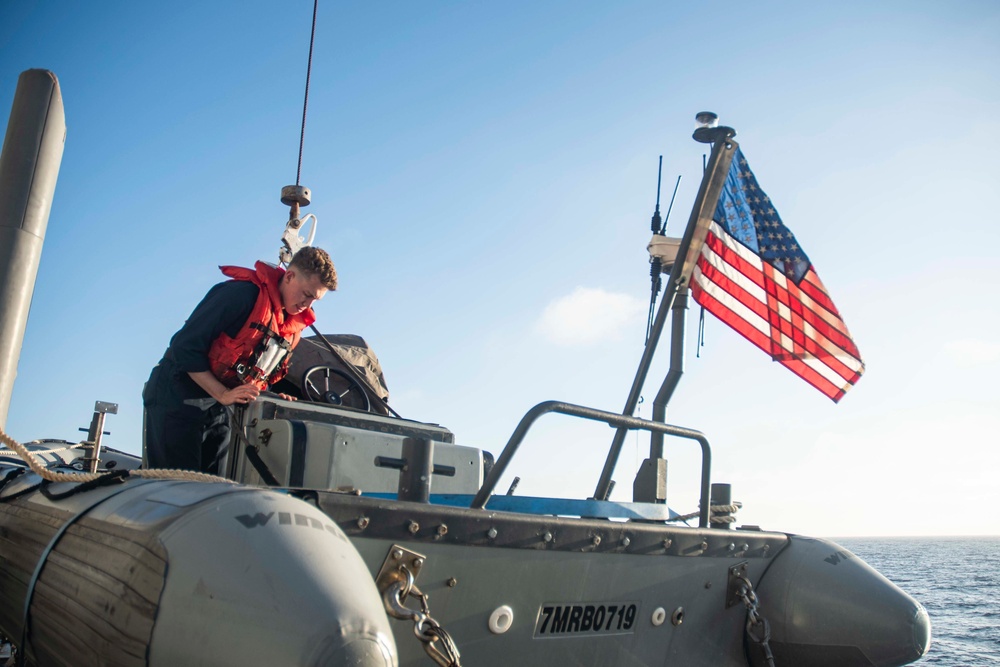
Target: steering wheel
(318,387)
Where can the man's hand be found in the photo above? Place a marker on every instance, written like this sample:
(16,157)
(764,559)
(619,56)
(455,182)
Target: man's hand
(287,397)
(241,395)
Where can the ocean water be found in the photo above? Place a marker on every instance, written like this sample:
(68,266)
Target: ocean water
(957,579)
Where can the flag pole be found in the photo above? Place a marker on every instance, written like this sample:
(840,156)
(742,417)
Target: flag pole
(713,179)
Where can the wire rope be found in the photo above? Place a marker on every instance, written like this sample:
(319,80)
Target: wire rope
(305,102)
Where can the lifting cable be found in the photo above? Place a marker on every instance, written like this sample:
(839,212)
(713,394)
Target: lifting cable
(305,102)
(365,385)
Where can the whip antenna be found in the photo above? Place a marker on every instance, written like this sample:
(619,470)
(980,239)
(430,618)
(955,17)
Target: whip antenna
(655,222)
(656,261)
(666,218)
(655,267)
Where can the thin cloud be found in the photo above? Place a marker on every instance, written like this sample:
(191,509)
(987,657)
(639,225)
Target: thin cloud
(589,316)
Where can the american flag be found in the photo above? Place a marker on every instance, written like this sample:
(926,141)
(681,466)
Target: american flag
(753,275)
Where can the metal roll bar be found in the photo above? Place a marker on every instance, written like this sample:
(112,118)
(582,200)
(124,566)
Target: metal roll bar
(611,419)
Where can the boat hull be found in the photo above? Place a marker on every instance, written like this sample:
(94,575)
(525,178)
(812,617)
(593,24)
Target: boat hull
(660,592)
(562,583)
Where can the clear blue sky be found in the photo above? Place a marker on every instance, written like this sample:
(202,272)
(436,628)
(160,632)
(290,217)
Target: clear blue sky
(473,165)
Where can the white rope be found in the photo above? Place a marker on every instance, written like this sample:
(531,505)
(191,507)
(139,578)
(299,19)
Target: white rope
(37,452)
(39,468)
(713,508)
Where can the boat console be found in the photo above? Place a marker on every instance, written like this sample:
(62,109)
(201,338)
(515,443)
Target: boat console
(301,444)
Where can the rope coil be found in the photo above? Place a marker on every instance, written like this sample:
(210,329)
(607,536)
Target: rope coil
(725,510)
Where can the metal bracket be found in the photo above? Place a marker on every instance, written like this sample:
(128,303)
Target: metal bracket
(736,575)
(396,561)
(94,433)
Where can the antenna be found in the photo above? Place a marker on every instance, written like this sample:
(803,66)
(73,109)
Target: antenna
(655,267)
(663,229)
(655,223)
(655,262)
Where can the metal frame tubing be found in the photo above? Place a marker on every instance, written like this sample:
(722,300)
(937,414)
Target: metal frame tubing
(673,377)
(610,418)
(712,181)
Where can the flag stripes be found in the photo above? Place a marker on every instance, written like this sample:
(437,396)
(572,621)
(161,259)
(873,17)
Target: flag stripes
(732,256)
(797,325)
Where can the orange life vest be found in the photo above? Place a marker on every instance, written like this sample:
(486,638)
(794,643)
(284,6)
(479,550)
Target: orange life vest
(259,353)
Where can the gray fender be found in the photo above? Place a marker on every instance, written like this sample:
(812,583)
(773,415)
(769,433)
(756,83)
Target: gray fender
(827,607)
(263,578)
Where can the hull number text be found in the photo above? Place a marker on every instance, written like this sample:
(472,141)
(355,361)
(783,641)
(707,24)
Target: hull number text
(609,618)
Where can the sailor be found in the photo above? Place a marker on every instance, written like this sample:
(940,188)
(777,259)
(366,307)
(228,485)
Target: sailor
(235,344)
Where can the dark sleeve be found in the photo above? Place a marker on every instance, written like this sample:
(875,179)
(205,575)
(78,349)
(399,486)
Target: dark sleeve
(224,309)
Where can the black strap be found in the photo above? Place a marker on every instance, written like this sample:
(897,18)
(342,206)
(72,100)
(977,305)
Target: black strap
(10,477)
(258,464)
(252,451)
(116,477)
(270,333)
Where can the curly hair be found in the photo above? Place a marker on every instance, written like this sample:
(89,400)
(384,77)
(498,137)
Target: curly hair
(316,262)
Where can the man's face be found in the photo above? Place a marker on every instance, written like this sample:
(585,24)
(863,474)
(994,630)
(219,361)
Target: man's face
(299,291)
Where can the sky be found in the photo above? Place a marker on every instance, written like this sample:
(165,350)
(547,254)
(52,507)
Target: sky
(484,175)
